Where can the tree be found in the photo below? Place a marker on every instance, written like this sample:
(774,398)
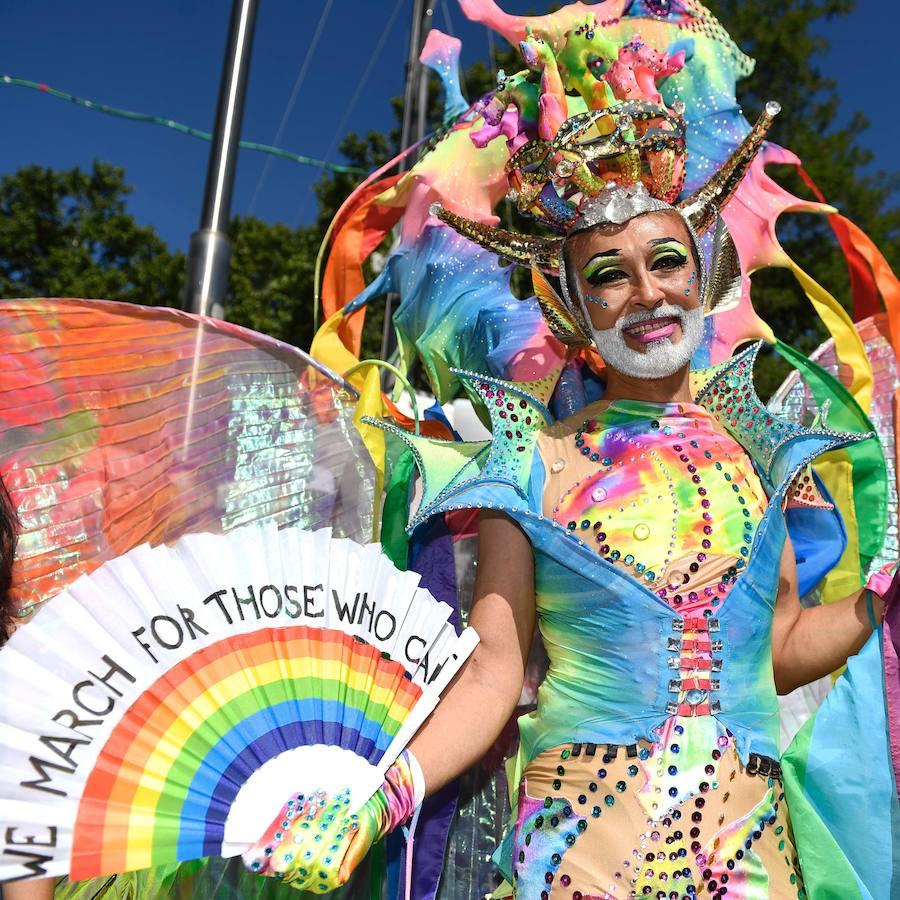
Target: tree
(271,283)
(67,234)
(781,38)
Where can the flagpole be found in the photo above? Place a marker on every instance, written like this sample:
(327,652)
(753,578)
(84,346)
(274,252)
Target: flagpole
(206,283)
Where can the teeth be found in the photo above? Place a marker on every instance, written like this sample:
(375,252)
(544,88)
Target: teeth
(650,325)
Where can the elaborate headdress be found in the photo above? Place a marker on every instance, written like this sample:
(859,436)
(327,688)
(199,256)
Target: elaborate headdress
(607,165)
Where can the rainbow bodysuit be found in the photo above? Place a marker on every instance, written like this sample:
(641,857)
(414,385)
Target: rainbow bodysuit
(649,767)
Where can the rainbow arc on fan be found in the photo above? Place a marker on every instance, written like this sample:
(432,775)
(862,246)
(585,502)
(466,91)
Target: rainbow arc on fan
(199,685)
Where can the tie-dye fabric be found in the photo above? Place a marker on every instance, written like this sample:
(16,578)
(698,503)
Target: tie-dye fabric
(657,532)
(681,818)
(662,491)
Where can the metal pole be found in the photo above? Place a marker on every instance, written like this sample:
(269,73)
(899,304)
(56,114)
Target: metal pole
(412,70)
(415,102)
(422,99)
(210,252)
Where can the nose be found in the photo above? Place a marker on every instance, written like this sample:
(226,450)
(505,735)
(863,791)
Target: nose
(646,294)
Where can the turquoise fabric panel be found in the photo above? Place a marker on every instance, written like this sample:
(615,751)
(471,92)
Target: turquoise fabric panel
(606,635)
(846,775)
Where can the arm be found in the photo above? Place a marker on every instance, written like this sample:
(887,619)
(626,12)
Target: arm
(39,889)
(465,723)
(484,694)
(810,643)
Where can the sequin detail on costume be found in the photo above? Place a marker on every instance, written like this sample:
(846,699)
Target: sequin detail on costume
(679,818)
(545,830)
(673,499)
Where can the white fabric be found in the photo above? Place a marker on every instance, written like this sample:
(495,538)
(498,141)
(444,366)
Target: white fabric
(418,778)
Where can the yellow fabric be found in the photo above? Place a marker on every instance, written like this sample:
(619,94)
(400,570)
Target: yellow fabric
(329,348)
(847,343)
(835,469)
(371,403)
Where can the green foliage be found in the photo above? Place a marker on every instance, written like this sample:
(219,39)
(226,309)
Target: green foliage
(271,285)
(781,38)
(67,234)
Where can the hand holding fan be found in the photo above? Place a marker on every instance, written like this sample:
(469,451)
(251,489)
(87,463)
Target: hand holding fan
(163,707)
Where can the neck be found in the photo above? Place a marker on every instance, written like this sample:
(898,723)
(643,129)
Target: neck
(671,389)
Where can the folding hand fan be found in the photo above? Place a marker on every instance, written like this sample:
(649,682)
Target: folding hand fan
(164,706)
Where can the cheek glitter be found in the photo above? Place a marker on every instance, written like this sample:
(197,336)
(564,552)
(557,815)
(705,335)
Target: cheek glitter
(687,290)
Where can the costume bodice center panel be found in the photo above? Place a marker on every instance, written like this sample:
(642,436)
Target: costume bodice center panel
(657,489)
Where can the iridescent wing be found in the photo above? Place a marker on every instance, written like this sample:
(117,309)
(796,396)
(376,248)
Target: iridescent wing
(122,424)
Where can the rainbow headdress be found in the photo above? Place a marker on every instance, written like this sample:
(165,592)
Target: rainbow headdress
(622,156)
(230,671)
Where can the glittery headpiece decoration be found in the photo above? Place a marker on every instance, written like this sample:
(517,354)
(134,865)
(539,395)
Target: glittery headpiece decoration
(615,205)
(700,209)
(552,180)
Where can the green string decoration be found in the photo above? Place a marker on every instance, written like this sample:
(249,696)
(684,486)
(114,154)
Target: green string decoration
(178,126)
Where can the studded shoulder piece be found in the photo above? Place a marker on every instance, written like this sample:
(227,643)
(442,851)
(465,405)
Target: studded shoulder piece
(517,412)
(782,450)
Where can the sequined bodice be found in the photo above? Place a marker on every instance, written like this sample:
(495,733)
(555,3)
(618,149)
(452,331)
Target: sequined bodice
(660,490)
(619,508)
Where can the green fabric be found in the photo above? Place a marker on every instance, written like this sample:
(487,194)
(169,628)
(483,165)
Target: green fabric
(826,873)
(205,879)
(394,539)
(378,862)
(870,485)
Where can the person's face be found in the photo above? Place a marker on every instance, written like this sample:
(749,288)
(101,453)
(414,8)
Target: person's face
(630,273)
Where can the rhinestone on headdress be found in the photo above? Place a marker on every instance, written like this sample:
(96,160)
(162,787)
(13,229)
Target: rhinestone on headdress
(617,204)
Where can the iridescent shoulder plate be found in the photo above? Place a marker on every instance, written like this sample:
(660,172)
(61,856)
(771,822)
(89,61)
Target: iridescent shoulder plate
(517,412)
(779,448)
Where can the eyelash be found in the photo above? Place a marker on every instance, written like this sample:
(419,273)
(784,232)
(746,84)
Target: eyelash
(670,260)
(605,276)
(667,260)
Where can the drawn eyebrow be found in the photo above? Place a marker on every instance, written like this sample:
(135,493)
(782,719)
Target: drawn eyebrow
(614,252)
(665,240)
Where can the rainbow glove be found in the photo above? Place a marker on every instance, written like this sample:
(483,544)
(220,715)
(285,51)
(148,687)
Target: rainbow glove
(314,844)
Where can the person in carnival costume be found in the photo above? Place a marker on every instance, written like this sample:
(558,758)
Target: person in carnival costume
(660,536)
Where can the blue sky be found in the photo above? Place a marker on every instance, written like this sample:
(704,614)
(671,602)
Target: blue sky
(164,58)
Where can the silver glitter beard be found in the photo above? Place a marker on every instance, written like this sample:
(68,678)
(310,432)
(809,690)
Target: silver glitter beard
(662,358)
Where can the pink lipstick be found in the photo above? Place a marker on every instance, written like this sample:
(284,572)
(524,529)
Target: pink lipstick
(651,330)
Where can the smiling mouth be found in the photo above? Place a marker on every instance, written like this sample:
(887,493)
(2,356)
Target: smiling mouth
(654,329)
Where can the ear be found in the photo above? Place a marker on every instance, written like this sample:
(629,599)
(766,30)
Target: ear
(723,290)
(566,324)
